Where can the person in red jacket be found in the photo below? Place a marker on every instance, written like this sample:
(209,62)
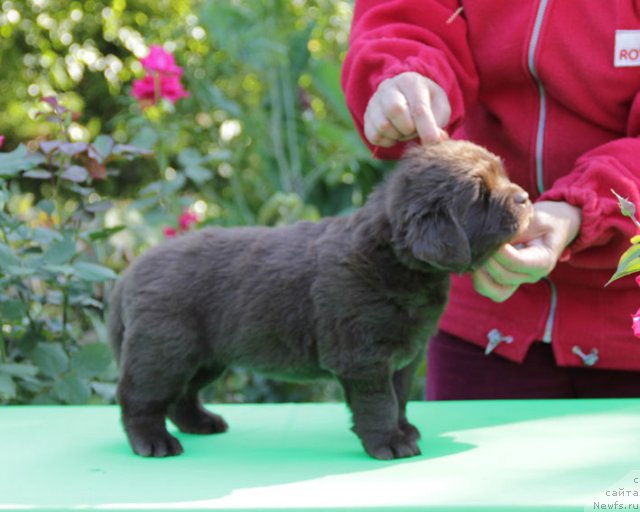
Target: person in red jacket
(553,88)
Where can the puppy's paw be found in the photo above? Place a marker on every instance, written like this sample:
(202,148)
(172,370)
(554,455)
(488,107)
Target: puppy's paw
(409,430)
(201,422)
(157,444)
(396,445)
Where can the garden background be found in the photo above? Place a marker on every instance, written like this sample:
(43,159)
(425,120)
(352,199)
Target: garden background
(106,153)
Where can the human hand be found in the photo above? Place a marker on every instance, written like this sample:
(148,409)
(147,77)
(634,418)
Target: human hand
(533,254)
(406,106)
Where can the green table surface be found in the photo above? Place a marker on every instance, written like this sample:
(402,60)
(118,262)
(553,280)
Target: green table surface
(485,455)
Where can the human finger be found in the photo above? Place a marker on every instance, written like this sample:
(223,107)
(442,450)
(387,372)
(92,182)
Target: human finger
(378,129)
(485,285)
(397,110)
(419,106)
(532,260)
(504,275)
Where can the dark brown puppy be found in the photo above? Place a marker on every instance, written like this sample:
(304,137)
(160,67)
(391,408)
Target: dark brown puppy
(353,298)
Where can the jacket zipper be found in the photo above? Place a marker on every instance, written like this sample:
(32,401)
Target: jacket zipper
(542,119)
(542,115)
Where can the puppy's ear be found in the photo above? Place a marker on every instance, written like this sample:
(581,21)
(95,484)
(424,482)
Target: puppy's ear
(439,239)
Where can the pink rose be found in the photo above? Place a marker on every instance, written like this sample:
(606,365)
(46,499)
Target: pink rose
(186,219)
(169,232)
(171,88)
(145,89)
(1,140)
(162,79)
(636,323)
(150,89)
(160,61)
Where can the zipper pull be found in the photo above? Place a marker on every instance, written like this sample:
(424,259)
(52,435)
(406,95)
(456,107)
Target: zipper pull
(587,359)
(495,337)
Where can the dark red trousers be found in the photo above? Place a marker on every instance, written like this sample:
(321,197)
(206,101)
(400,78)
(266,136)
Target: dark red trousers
(458,370)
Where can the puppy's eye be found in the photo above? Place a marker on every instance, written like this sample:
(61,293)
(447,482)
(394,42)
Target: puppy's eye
(480,190)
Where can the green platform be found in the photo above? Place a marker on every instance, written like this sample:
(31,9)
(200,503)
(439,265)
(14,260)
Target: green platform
(498,455)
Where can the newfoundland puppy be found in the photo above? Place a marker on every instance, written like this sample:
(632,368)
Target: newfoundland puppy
(354,298)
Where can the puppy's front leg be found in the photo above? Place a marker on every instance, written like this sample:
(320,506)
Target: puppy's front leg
(402,383)
(374,406)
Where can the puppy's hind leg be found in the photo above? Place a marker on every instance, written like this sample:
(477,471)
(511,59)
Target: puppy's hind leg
(189,415)
(150,381)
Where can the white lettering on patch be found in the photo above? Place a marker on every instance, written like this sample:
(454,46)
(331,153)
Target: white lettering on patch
(627,52)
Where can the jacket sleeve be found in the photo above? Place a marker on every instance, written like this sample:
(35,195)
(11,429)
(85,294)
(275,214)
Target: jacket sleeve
(389,37)
(604,233)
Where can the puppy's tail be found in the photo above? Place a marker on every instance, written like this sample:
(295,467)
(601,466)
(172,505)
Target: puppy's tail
(115,326)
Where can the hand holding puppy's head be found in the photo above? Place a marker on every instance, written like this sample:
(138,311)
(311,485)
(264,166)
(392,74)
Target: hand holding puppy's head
(451,205)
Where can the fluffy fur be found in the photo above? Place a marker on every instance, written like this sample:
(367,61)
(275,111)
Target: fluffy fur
(353,298)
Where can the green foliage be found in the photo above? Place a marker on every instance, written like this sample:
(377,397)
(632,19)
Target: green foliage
(263,138)
(51,281)
(629,262)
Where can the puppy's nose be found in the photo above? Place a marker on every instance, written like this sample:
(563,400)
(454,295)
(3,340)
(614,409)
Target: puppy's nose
(521,198)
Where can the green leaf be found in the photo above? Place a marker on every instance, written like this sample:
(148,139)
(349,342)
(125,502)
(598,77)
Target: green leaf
(65,270)
(99,206)
(7,386)
(75,173)
(101,234)
(106,390)
(73,148)
(91,360)
(101,148)
(45,236)
(93,272)
(11,310)
(59,252)
(7,257)
(72,390)
(47,206)
(21,370)
(13,162)
(50,358)
(19,271)
(189,157)
(198,174)
(629,263)
(146,138)
(37,174)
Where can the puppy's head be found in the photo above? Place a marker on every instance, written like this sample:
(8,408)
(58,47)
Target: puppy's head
(451,205)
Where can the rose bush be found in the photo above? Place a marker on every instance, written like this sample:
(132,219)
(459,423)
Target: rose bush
(630,260)
(245,124)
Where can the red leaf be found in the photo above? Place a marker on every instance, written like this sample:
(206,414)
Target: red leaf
(97,170)
(53,102)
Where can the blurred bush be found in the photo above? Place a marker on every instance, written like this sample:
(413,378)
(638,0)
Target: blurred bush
(263,138)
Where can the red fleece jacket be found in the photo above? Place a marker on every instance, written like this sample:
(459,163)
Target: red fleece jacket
(553,87)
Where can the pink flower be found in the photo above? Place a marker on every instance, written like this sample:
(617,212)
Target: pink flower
(144,89)
(1,140)
(638,280)
(161,81)
(160,61)
(169,232)
(150,89)
(171,88)
(186,219)
(636,323)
